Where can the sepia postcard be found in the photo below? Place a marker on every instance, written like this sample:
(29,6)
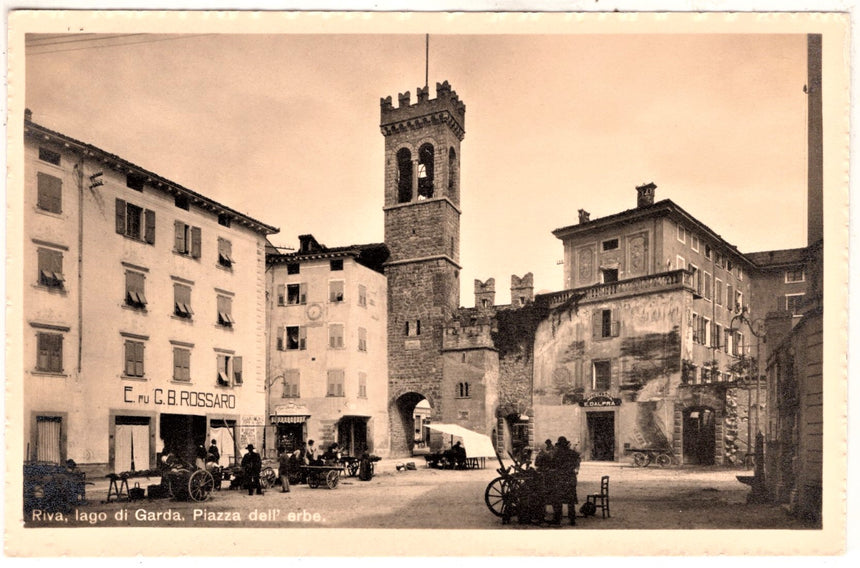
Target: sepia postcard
(312,283)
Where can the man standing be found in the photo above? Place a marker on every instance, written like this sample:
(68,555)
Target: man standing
(563,480)
(252,464)
(284,459)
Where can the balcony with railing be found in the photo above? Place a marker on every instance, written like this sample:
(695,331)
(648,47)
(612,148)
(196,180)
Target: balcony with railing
(675,279)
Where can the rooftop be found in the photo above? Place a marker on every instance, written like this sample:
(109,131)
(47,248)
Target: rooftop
(35,130)
(777,258)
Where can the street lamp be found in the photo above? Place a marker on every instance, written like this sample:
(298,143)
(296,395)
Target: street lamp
(757,329)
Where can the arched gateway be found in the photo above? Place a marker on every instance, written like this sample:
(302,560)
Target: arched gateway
(409,415)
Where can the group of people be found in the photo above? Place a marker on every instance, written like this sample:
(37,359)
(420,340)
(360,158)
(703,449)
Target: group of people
(552,481)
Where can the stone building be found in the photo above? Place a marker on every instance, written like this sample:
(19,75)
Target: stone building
(327,371)
(144,312)
(643,349)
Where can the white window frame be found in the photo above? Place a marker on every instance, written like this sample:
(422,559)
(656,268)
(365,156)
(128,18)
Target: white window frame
(682,234)
(694,242)
(802,276)
(680,263)
(793,313)
(332,291)
(594,364)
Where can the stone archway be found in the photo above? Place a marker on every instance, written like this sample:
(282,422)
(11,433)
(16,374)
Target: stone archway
(402,421)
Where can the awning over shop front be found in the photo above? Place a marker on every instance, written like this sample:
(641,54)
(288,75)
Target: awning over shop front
(477,445)
(288,418)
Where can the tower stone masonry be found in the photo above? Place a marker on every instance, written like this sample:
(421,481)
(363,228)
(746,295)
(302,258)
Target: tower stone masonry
(422,231)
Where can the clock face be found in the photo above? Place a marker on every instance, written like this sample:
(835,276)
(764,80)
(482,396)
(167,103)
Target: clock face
(314,311)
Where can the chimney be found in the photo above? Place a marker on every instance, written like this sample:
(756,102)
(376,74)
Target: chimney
(485,293)
(645,194)
(307,243)
(584,216)
(522,289)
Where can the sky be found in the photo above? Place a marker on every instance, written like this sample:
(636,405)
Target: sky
(285,128)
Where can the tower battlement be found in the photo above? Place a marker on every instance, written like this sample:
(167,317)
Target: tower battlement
(446,107)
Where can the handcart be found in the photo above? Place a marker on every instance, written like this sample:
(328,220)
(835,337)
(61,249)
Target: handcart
(643,457)
(323,474)
(185,484)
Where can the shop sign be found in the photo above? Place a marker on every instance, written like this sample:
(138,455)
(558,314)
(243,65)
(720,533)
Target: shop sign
(601,400)
(179,397)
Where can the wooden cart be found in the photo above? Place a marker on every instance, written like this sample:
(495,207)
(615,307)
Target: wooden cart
(317,475)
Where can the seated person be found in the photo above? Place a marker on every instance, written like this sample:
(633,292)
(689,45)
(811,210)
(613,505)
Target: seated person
(331,456)
(458,455)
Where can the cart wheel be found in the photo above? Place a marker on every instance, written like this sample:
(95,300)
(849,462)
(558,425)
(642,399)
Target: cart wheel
(332,478)
(352,468)
(494,496)
(664,460)
(641,460)
(200,485)
(313,480)
(267,477)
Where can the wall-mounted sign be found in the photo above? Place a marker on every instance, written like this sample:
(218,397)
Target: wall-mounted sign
(599,401)
(179,397)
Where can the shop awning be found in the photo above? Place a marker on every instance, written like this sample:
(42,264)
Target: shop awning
(477,445)
(288,418)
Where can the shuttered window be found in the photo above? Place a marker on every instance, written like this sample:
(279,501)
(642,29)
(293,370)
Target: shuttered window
(334,382)
(51,268)
(49,357)
(134,289)
(135,222)
(50,193)
(225,311)
(291,384)
(225,253)
(182,301)
(181,364)
(187,239)
(134,358)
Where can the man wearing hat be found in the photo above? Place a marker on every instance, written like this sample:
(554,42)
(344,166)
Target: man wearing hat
(563,480)
(252,464)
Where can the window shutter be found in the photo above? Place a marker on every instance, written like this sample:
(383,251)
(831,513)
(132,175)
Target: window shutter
(57,353)
(139,360)
(303,293)
(120,216)
(280,343)
(179,236)
(195,242)
(597,324)
(237,370)
(228,249)
(303,337)
(281,294)
(129,358)
(149,222)
(616,328)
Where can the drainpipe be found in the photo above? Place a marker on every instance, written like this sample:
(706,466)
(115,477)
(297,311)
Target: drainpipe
(79,179)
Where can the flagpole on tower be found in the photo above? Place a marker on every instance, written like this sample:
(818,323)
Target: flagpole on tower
(426,60)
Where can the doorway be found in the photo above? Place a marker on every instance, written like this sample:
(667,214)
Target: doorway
(131,443)
(699,436)
(410,413)
(182,433)
(352,435)
(601,435)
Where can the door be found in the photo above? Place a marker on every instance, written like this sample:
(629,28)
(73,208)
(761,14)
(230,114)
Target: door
(224,434)
(131,444)
(699,436)
(601,435)
(48,430)
(352,435)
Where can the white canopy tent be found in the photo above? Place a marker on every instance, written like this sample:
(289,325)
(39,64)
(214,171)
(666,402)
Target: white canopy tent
(476,445)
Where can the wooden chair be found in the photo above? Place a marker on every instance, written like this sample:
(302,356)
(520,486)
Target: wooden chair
(601,500)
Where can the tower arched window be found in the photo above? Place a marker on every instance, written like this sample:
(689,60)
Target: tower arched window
(425,171)
(452,173)
(404,177)
(463,390)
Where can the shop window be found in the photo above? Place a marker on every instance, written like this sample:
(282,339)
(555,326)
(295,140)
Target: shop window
(182,301)
(49,156)
(362,339)
(49,355)
(225,253)
(602,375)
(425,171)
(335,336)
(292,381)
(187,239)
(335,291)
(334,382)
(51,268)
(49,193)
(404,175)
(134,289)
(181,364)
(135,222)
(225,311)
(134,358)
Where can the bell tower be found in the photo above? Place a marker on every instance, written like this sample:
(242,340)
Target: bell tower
(422,231)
